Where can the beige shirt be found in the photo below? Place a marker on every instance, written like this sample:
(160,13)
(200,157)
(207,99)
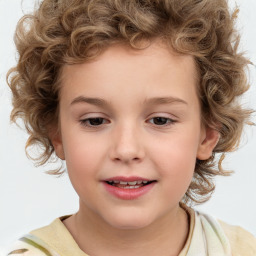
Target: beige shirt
(55,239)
(242,243)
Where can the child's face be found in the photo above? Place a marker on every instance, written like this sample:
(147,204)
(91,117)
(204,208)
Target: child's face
(131,116)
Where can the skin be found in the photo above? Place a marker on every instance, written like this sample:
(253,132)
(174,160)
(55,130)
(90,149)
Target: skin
(130,142)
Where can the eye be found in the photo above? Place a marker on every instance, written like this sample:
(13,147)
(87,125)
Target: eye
(96,121)
(161,121)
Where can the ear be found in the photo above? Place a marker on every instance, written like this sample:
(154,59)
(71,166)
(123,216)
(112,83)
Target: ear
(56,139)
(209,140)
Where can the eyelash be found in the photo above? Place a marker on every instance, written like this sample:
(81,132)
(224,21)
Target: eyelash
(85,122)
(168,120)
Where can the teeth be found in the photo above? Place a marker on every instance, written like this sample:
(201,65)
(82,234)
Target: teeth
(132,183)
(129,183)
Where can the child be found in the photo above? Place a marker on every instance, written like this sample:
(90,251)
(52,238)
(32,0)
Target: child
(136,97)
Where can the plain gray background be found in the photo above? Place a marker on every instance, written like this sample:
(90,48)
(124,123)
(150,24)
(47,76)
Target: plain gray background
(29,198)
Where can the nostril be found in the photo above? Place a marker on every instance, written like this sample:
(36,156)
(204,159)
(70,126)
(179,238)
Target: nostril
(125,153)
(119,159)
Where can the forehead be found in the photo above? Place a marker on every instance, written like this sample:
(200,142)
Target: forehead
(156,54)
(150,72)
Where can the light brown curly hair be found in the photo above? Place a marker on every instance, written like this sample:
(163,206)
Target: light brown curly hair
(74,31)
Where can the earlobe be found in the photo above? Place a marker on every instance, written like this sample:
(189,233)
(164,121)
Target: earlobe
(56,140)
(208,143)
(58,147)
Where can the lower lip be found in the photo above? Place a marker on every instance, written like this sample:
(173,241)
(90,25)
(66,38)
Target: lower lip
(128,194)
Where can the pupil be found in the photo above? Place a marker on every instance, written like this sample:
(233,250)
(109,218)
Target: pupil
(160,120)
(96,121)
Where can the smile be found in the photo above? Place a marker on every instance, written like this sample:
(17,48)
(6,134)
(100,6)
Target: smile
(128,188)
(129,184)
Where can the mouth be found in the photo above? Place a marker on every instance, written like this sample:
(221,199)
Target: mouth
(129,184)
(128,188)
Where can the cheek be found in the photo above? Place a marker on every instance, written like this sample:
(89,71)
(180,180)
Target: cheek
(177,169)
(82,169)
(83,158)
(81,149)
(176,157)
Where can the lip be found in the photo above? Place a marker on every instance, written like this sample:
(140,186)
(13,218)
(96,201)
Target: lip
(127,179)
(127,194)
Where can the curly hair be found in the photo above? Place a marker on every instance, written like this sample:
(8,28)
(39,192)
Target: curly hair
(74,31)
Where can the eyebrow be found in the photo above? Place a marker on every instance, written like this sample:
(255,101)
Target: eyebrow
(94,101)
(164,100)
(151,101)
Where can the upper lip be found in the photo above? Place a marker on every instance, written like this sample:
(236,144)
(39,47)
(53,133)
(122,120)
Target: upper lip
(127,179)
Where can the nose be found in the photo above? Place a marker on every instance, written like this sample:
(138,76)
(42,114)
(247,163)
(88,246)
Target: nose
(127,145)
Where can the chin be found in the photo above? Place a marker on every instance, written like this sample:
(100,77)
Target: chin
(129,221)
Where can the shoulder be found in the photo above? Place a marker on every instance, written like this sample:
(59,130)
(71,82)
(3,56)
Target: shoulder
(242,242)
(53,239)
(236,240)
(21,248)
(36,243)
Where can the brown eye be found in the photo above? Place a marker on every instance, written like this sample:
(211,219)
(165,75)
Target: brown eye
(97,121)
(160,120)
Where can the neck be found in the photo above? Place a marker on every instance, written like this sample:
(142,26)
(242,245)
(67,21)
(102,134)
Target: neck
(166,236)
